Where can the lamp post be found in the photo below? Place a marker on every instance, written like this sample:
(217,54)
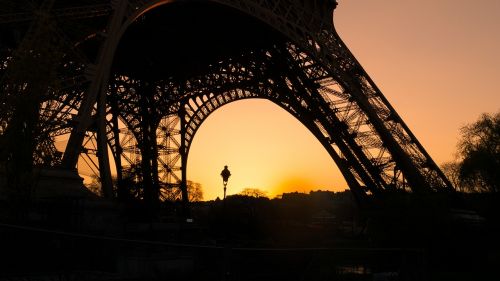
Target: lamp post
(225,174)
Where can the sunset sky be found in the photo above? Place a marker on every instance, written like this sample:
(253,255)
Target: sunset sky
(436,61)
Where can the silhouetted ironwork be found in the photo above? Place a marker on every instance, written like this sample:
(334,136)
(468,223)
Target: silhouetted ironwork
(140,77)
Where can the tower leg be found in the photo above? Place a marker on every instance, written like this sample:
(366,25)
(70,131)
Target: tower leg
(149,151)
(183,153)
(102,149)
(98,85)
(117,150)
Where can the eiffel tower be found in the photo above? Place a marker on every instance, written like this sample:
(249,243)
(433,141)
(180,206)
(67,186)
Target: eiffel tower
(129,83)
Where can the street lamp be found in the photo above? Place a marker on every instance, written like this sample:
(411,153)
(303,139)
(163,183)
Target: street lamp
(225,174)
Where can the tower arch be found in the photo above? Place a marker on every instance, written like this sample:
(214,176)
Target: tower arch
(144,66)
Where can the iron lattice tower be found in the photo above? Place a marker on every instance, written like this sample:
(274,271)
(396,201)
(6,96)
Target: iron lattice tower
(140,77)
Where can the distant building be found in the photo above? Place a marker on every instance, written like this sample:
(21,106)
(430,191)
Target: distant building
(320,195)
(294,196)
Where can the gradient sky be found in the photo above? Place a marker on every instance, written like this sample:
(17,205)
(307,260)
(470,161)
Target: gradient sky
(436,61)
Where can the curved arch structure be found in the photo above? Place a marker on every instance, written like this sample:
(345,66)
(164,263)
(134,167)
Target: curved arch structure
(151,72)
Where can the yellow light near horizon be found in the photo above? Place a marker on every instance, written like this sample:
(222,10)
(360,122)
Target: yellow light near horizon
(265,147)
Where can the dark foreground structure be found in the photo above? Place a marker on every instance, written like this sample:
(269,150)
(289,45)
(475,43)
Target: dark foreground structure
(249,238)
(124,85)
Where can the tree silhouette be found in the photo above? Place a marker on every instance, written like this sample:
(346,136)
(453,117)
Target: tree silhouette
(479,150)
(452,171)
(253,192)
(195,191)
(95,185)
